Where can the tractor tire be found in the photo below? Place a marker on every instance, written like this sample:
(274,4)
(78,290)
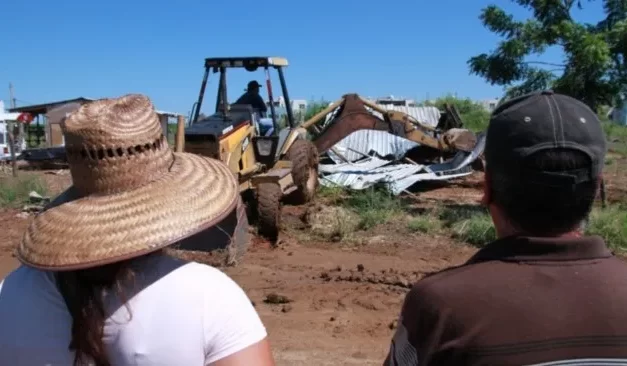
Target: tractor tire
(269,210)
(304,157)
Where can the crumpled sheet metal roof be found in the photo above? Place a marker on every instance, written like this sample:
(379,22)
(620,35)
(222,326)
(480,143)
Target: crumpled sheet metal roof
(382,143)
(461,159)
(402,184)
(428,115)
(366,164)
(398,177)
(367,173)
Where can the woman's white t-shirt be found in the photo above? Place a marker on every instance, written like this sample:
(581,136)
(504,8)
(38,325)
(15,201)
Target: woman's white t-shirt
(183,314)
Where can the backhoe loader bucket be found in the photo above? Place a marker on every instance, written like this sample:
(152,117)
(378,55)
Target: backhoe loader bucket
(352,116)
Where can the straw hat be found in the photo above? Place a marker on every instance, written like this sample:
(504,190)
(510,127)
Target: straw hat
(131,195)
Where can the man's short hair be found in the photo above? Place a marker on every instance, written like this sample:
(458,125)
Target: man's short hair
(544,157)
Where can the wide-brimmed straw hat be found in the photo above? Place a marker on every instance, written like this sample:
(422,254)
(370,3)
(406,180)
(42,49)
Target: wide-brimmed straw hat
(131,194)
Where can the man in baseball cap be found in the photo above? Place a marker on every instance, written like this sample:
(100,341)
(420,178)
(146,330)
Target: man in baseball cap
(543,292)
(252,97)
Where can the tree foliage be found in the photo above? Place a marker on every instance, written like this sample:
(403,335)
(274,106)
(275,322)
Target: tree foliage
(473,114)
(315,107)
(594,68)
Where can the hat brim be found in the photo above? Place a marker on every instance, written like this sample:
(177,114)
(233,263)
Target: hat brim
(82,232)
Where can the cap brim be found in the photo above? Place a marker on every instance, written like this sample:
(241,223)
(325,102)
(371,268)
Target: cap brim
(77,233)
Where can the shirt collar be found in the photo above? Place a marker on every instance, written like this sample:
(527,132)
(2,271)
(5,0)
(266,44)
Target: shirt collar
(525,248)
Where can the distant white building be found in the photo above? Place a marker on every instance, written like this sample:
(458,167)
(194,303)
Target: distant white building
(298,105)
(489,104)
(391,100)
(4,142)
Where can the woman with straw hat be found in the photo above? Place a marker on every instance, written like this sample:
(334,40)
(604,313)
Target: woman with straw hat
(95,287)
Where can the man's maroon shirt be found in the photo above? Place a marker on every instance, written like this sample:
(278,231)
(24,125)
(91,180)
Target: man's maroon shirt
(519,301)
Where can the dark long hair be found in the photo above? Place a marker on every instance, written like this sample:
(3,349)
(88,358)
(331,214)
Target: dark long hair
(84,292)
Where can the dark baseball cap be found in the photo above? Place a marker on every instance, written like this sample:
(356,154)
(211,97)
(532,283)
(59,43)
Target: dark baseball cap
(253,84)
(542,121)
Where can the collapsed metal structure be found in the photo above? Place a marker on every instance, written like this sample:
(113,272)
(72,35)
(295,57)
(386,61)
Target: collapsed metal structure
(412,150)
(351,114)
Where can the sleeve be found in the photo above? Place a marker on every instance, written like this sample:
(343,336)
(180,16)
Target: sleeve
(231,323)
(261,104)
(418,333)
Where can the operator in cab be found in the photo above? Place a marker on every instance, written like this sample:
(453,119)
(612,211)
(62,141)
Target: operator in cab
(252,97)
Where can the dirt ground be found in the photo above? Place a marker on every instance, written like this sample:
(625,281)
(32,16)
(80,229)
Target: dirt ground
(344,297)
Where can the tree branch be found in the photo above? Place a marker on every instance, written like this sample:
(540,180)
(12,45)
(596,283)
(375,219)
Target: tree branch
(544,63)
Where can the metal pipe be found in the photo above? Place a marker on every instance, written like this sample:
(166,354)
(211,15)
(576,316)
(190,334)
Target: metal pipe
(288,104)
(11,138)
(373,106)
(201,95)
(275,124)
(190,117)
(222,81)
(223,95)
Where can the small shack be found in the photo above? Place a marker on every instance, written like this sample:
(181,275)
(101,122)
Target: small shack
(47,133)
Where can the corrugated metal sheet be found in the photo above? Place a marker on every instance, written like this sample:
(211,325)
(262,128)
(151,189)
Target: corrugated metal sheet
(404,183)
(169,114)
(429,116)
(360,176)
(365,142)
(461,159)
(364,165)
(398,177)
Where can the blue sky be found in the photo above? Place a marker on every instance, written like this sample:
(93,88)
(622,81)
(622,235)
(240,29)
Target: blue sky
(62,49)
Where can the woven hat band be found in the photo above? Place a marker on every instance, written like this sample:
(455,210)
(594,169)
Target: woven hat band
(113,169)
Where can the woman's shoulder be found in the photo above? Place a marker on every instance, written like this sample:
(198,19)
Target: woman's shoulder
(174,270)
(25,276)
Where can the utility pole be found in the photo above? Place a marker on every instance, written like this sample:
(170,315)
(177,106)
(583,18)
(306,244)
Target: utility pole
(12,96)
(10,133)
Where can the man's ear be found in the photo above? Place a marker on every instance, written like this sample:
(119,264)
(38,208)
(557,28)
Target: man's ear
(599,181)
(487,196)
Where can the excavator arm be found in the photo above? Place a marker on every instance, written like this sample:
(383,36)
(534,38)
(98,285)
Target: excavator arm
(352,115)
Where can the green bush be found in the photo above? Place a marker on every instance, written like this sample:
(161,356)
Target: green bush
(615,131)
(473,114)
(477,230)
(426,224)
(469,223)
(374,206)
(332,194)
(611,224)
(15,191)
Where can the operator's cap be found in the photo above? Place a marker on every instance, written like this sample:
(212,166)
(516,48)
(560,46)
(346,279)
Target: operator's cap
(253,84)
(543,121)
